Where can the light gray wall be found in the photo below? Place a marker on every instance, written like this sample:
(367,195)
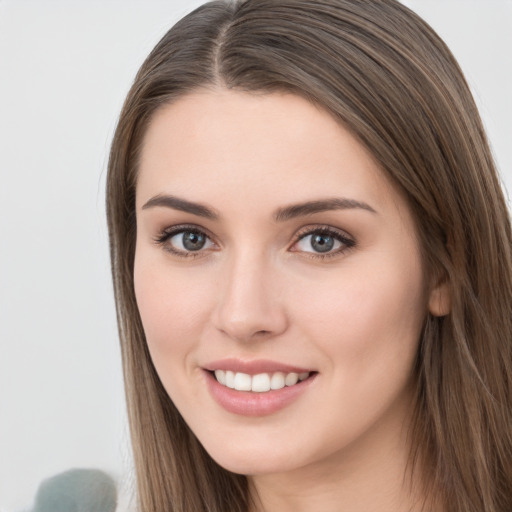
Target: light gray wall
(64,70)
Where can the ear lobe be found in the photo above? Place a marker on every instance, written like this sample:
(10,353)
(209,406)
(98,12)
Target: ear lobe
(439,302)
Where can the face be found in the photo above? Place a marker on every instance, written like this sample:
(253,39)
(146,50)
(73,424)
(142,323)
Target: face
(279,281)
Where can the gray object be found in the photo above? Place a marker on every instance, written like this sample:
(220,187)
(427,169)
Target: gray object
(77,490)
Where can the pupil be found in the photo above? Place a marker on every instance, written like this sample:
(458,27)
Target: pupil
(322,243)
(193,241)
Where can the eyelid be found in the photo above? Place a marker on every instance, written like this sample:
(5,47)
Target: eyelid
(167,233)
(348,242)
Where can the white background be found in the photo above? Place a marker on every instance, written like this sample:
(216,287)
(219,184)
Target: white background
(65,67)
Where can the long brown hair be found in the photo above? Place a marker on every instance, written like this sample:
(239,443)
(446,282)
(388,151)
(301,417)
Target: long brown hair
(389,79)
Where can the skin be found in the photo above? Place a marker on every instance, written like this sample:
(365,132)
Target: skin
(257,290)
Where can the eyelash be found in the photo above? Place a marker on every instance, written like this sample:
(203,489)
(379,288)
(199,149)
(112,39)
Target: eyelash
(168,233)
(343,238)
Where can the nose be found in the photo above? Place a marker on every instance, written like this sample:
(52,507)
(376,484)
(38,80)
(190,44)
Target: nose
(250,304)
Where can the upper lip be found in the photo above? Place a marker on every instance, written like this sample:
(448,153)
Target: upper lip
(253,367)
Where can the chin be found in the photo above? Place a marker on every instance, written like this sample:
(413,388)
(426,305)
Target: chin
(251,466)
(255,459)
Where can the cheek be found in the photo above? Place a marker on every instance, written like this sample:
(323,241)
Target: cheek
(368,318)
(173,307)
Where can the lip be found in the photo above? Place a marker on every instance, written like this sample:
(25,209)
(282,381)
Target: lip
(247,403)
(253,367)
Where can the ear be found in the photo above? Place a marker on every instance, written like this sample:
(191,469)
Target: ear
(439,301)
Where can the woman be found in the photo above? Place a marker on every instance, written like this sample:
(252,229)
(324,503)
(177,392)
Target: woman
(311,261)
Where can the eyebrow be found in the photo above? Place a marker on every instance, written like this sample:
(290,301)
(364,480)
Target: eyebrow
(176,203)
(281,215)
(323,205)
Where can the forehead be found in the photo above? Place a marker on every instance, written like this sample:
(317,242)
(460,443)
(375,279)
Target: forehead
(261,148)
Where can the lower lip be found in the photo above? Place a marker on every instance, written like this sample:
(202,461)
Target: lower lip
(248,403)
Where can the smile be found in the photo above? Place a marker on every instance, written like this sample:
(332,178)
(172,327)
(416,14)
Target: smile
(256,388)
(260,383)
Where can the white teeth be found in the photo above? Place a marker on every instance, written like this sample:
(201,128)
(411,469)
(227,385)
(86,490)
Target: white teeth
(220,375)
(242,382)
(230,379)
(291,379)
(259,383)
(277,381)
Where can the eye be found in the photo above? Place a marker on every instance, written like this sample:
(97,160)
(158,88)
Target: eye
(323,242)
(189,241)
(185,241)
